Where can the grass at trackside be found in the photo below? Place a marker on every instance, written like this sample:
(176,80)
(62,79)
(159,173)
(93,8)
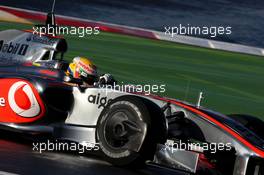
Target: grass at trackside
(232,83)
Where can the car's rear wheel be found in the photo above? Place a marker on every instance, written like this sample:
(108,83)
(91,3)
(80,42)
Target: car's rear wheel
(129,129)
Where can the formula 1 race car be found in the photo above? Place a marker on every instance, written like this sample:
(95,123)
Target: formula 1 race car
(130,128)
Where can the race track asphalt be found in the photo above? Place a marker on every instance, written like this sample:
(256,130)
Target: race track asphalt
(17,157)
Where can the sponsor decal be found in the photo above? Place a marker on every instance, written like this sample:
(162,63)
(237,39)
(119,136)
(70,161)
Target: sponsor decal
(2,102)
(22,100)
(42,40)
(101,102)
(49,72)
(13,48)
(85,67)
(19,101)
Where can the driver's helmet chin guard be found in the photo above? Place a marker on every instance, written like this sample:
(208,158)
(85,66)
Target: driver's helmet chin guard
(83,68)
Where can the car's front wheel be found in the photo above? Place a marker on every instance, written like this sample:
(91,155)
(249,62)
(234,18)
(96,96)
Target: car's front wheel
(129,129)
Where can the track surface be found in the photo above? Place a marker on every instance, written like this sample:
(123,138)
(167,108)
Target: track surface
(17,157)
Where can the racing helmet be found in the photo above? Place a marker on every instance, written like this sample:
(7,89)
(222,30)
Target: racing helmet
(83,68)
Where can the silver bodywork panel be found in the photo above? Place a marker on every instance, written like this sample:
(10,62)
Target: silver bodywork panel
(19,46)
(178,159)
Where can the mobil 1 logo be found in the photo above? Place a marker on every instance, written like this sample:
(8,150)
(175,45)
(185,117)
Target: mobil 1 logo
(13,48)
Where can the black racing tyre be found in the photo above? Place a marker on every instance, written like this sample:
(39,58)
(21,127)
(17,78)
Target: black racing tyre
(250,122)
(129,129)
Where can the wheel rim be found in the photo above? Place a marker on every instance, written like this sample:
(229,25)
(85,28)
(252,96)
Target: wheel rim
(124,131)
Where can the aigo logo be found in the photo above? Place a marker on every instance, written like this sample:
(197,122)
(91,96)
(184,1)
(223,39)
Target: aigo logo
(22,100)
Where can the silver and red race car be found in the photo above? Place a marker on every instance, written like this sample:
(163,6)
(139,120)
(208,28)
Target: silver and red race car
(130,128)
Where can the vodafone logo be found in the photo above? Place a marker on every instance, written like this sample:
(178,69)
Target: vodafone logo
(22,100)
